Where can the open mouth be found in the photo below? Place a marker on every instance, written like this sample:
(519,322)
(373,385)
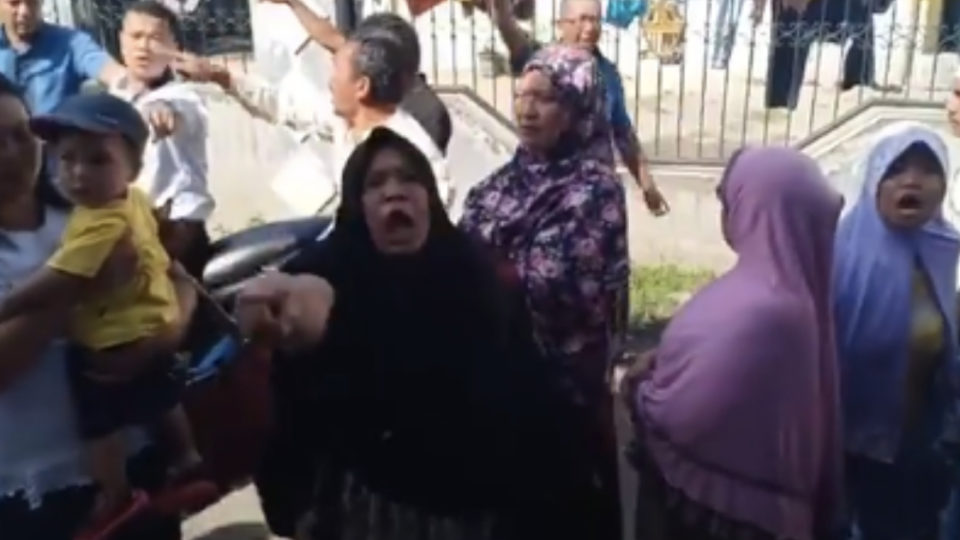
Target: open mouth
(397,220)
(909,202)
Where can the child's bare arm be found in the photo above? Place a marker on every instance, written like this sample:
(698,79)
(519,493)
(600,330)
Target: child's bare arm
(73,269)
(46,289)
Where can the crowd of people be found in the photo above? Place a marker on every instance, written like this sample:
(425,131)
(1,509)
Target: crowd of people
(444,381)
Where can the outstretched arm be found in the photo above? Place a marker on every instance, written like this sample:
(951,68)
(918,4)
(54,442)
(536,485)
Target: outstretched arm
(518,42)
(64,280)
(92,62)
(321,29)
(265,101)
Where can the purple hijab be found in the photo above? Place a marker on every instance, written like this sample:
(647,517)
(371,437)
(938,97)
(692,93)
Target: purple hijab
(740,413)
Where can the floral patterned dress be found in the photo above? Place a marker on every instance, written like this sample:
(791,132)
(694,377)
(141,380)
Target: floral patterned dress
(561,222)
(558,222)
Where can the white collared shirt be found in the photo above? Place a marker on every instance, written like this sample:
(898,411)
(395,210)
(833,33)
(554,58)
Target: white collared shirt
(175,167)
(314,115)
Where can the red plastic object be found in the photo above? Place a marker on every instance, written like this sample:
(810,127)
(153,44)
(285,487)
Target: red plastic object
(522,9)
(418,7)
(105,528)
(231,415)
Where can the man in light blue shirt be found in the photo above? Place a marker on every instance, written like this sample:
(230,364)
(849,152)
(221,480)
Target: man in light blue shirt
(49,62)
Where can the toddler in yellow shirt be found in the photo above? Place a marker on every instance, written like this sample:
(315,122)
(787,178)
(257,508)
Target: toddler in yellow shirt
(99,140)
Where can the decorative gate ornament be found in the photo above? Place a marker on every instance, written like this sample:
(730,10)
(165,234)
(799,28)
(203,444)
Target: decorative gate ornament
(664,28)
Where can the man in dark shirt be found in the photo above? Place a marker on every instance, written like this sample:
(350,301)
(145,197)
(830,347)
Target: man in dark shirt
(421,102)
(580,25)
(426,106)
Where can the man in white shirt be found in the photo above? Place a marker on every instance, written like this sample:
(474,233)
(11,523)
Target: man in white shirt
(952,213)
(174,172)
(952,206)
(420,101)
(953,105)
(367,84)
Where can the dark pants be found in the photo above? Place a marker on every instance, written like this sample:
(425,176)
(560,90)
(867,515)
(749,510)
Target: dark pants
(950,27)
(103,409)
(198,253)
(204,329)
(823,20)
(62,513)
(898,501)
(903,500)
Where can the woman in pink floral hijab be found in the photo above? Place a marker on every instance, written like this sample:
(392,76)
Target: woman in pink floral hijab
(555,215)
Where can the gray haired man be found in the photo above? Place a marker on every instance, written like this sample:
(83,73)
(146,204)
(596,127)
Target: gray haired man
(370,78)
(420,101)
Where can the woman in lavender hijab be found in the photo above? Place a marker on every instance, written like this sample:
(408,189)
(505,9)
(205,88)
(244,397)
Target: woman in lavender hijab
(895,277)
(738,416)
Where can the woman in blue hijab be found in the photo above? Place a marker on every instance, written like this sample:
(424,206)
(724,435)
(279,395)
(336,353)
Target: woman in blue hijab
(894,283)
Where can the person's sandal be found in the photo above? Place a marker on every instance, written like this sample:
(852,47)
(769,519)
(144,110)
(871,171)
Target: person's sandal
(104,528)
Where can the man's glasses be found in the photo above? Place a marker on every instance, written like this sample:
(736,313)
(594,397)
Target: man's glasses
(583,19)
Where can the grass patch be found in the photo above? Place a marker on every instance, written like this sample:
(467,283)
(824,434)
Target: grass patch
(657,291)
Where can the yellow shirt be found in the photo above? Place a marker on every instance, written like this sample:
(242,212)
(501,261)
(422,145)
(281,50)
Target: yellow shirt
(142,307)
(927,332)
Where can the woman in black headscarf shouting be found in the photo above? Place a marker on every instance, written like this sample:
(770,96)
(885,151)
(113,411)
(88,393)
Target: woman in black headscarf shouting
(411,402)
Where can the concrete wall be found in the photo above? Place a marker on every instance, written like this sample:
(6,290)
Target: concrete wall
(246,154)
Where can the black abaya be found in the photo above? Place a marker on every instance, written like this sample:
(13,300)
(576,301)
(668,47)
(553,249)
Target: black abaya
(428,396)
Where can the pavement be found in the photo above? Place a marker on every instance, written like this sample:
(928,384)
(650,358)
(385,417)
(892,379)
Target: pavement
(237,517)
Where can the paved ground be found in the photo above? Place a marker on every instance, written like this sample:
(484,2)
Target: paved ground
(237,517)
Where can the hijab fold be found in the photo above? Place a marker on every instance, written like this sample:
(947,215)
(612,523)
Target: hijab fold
(873,280)
(740,412)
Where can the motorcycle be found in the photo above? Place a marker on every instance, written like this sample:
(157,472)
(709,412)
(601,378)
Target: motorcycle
(228,393)
(229,378)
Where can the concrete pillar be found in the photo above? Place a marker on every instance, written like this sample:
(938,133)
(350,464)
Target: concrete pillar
(904,29)
(933,14)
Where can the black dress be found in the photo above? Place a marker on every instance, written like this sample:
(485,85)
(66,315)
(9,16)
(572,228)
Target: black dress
(427,409)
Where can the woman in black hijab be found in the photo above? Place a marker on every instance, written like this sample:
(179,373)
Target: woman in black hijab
(411,401)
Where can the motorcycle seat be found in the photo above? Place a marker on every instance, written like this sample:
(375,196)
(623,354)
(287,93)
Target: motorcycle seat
(242,255)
